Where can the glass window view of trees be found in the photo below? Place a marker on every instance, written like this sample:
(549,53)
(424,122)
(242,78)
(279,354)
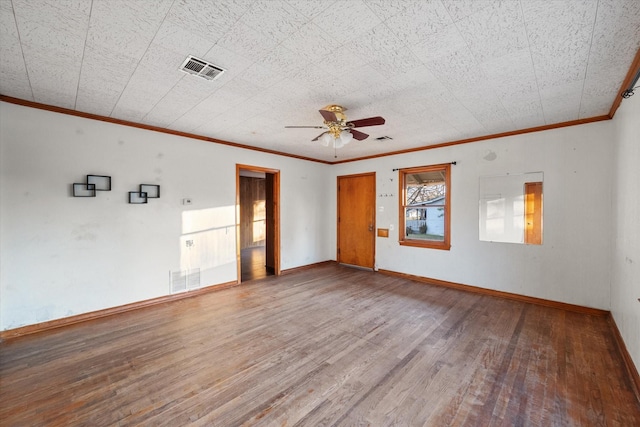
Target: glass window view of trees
(424,210)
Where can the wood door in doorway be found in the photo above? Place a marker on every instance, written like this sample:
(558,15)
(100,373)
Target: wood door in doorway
(271,220)
(356,219)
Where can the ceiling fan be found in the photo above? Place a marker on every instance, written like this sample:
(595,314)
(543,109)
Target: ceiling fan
(339,130)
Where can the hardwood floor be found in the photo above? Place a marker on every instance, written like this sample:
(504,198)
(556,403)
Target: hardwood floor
(325,346)
(253,264)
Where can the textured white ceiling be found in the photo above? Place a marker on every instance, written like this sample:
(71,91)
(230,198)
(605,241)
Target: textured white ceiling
(438,71)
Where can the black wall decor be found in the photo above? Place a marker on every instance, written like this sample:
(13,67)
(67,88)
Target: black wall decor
(153,191)
(146,192)
(93,184)
(84,190)
(102,182)
(137,197)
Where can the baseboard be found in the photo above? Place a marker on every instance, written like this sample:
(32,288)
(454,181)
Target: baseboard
(632,371)
(500,294)
(84,317)
(630,367)
(305,267)
(58,323)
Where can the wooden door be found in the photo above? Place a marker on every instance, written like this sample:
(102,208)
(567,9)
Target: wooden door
(270,206)
(272,218)
(356,219)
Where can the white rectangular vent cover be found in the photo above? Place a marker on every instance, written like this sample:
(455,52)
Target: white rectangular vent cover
(200,68)
(193,279)
(185,280)
(178,281)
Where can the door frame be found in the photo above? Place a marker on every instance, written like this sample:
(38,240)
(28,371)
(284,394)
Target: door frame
(276,215)
(373,252)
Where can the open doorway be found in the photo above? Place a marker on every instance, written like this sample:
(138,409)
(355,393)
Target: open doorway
(257,222)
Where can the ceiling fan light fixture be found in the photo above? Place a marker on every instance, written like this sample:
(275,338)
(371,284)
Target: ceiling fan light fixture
(325,139)
(339,131)
(346,137)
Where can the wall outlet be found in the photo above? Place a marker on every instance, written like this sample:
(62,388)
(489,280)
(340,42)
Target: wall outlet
(189,243)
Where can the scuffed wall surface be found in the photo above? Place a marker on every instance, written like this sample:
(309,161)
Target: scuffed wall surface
(64,256)
(572,265)
(625,282)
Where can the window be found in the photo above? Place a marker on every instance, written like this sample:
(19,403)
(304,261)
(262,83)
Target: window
(425,204)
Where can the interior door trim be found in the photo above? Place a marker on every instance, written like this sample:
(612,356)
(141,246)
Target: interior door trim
(276,215)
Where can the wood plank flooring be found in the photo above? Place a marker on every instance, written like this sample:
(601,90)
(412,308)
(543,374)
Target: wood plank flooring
(253,264)
(328,346)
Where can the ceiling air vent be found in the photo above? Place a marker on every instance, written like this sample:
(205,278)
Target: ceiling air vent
(200,68)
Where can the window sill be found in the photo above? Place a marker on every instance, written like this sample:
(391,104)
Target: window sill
(445,246)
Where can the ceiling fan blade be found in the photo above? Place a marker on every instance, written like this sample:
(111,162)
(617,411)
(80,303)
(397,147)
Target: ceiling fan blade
(305,127)
(318,137)
(329,116)
(358,135)
(371,121)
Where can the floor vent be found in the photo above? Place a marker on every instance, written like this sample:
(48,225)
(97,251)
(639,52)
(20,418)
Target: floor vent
(193,279)
(185,280)
(178,281)
(200,68)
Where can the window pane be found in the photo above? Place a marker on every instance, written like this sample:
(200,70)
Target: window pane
(425,202)
(425,188)
(424,207)
(425,223)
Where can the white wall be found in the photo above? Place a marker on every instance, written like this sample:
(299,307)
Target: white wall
(625,278)
(573,265)
(62,256)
